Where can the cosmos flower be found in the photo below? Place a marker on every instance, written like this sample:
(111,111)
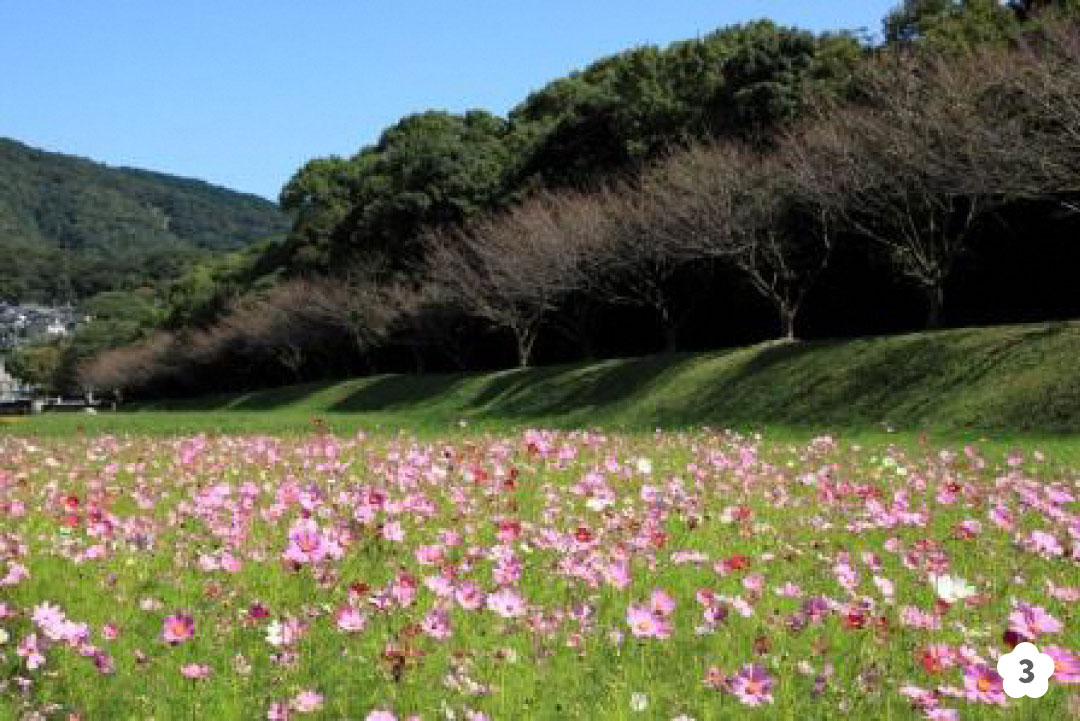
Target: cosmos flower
(644,623)
(1028,621)
(178,628)
(984,684)
(752,685)
(437,624)
(1066,664)
(195,671)
(507,603)
(307,701)
(350,620)
(951,589)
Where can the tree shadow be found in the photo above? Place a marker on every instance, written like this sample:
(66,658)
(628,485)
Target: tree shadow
(572,389)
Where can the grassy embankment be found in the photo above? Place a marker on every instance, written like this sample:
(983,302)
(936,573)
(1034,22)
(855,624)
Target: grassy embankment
(979,382)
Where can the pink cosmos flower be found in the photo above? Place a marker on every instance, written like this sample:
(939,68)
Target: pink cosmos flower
(1045,544)
(911,616)
(1028,621)
(350,620)
(195,671)
(644,623)
(754,583)
(380,715)
(393,531)
(178,628)
(937,657)
(752,685)
(469,595)
(30,649)
(403,589)
(307,544)
(1066,664)
(278,711)
(662,603)
(922,699)
(307,701)
(983,684)
(507,603)
(789,590)
(437,624)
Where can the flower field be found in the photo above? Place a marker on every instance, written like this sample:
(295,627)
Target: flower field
(578,575)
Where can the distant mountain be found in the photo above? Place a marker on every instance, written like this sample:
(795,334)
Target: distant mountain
(71,227)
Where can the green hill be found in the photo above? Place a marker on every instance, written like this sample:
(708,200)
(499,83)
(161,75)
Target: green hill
(71,227)
(1006,379)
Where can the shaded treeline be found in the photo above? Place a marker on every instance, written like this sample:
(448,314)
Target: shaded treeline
(921,184)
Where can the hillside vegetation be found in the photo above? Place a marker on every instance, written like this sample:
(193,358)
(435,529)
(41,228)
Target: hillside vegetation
(70,227)
(758,182)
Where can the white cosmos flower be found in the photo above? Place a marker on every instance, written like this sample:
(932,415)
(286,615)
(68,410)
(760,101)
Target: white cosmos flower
(275,634)
(638,701)
(644,466)
(951,589)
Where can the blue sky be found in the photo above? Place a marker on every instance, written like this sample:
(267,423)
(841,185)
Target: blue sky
(243,92)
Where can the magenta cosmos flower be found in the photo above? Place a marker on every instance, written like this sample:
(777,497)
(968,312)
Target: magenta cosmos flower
(178,628)
(306,543)
(983,684)
(1028,621)
(645,623)
(1066,664)
(752,685)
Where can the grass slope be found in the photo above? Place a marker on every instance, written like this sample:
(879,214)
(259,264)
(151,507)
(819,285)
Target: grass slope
(1011,379)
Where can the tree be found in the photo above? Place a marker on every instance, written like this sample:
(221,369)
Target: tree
(731,205)
(510,270)
(429,169)
(919,163)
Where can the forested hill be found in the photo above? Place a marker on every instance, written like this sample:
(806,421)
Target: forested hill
(71,227)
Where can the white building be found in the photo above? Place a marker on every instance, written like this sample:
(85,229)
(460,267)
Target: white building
(10,387)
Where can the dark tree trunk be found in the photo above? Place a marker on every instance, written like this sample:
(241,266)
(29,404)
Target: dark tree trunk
(935,306)
(787,321)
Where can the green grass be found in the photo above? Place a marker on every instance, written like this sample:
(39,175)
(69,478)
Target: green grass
(1020,379)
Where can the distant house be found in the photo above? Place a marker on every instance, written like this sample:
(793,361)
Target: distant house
(10,388)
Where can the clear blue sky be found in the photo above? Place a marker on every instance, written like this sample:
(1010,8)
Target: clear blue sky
(243,92)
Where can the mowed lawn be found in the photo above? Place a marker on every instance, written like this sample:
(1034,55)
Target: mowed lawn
(475,573)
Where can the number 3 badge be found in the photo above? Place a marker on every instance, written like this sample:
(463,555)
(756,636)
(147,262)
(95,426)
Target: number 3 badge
(1025,671)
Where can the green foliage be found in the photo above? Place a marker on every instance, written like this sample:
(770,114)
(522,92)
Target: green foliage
(70,228)
(114,319)
(428,169)
(36,364)
(438,169)
(742,81)
(963,24)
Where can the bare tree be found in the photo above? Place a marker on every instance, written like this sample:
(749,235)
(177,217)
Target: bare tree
(722,202)
(626,260)
(510,270)
(915,167)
